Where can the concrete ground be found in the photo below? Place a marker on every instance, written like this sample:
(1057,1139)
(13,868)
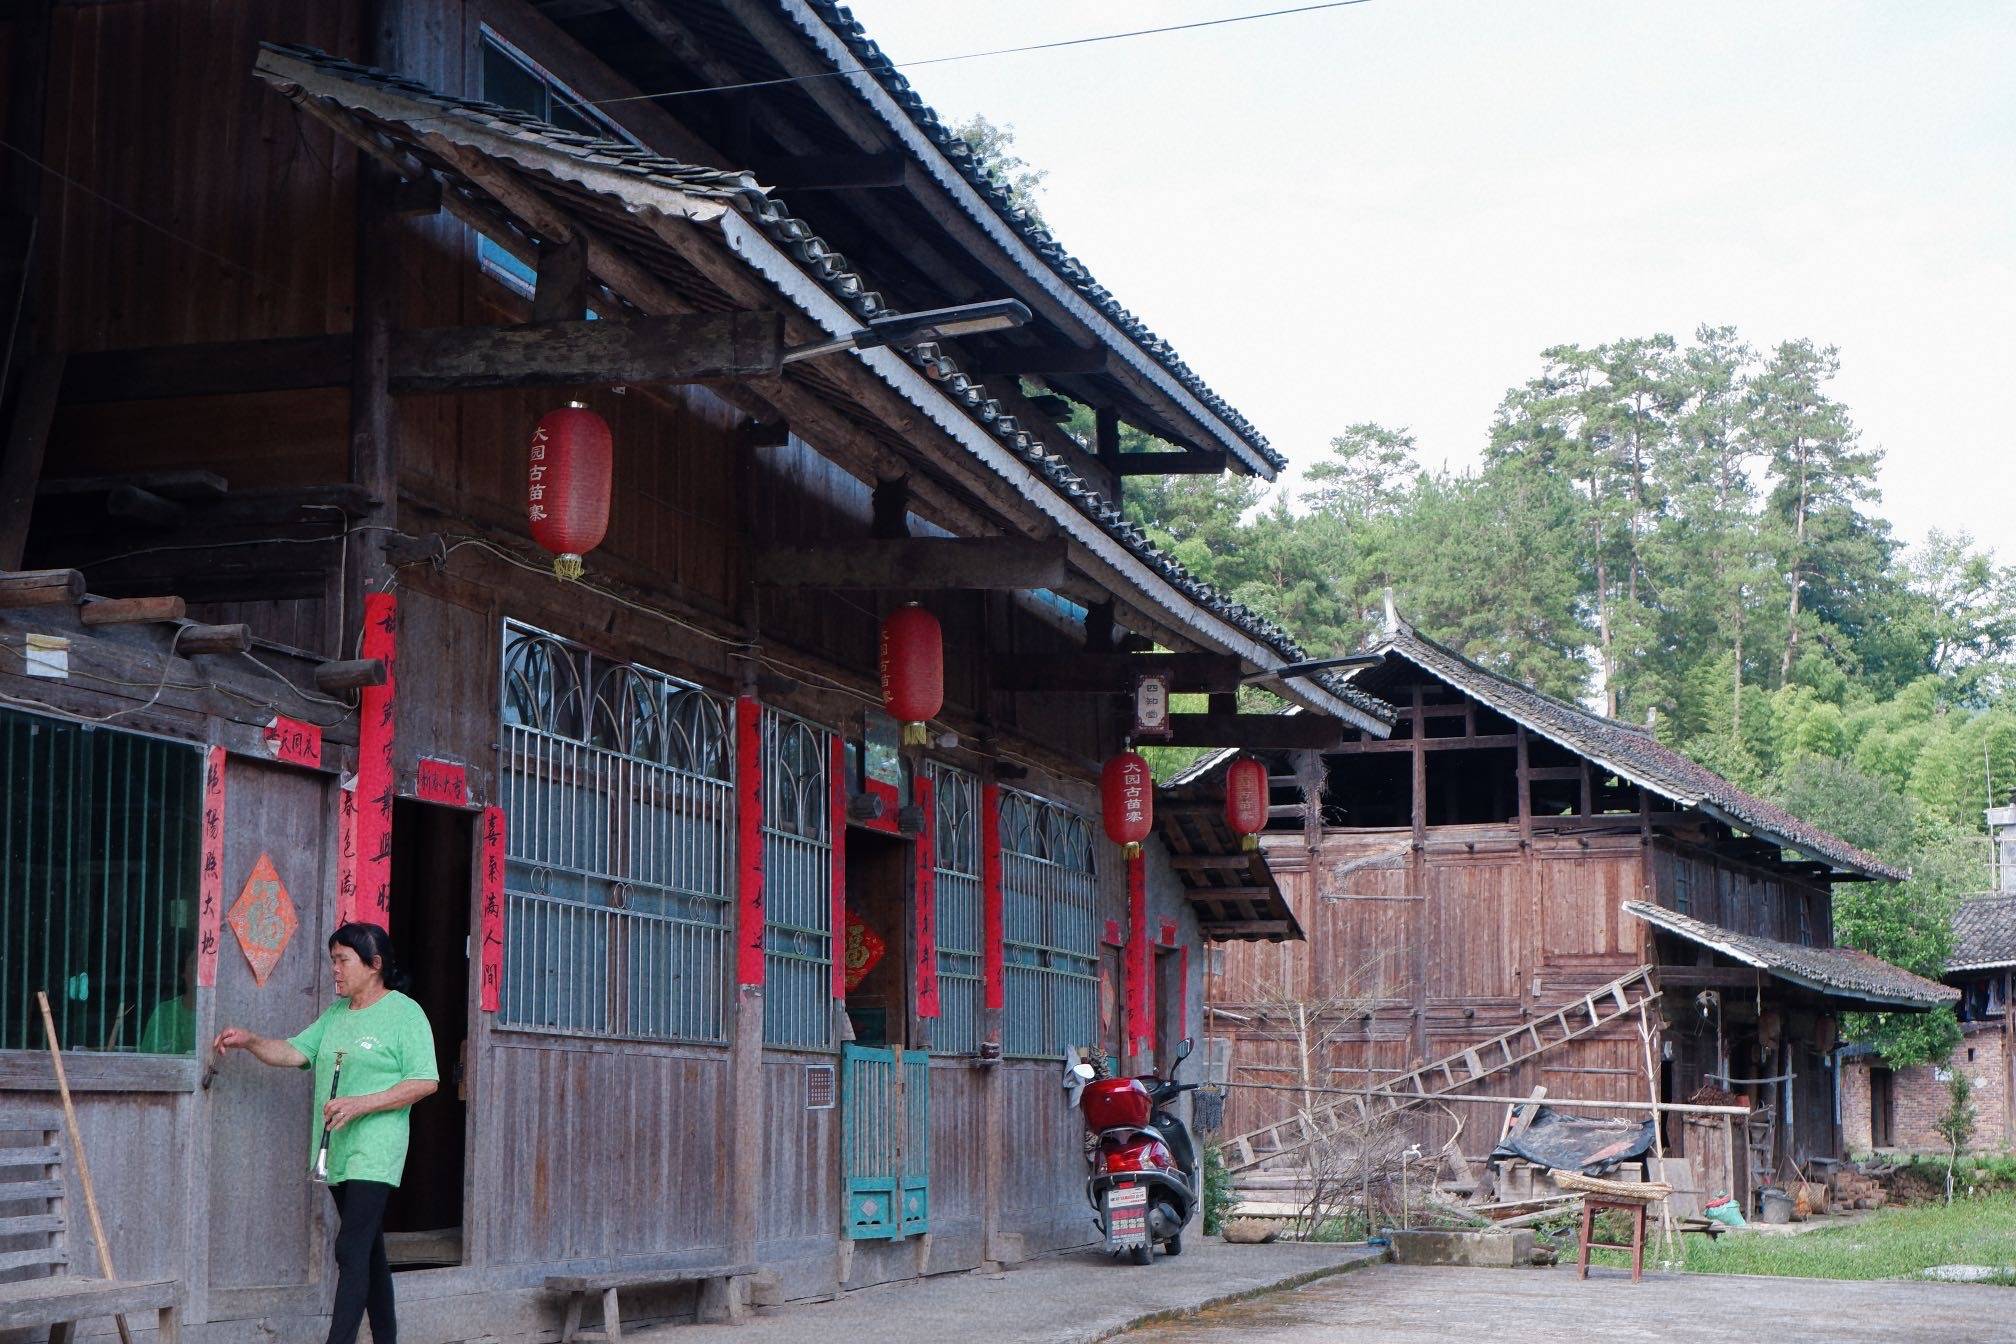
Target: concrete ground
(1398,1304)
(1073,1298)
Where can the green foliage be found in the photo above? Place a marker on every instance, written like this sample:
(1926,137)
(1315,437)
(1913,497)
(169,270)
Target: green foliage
(994,149)
(1956,1123)
(1217,1189)
(1888,1243)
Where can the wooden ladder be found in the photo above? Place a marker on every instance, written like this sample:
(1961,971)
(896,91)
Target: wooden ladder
(1569,1021)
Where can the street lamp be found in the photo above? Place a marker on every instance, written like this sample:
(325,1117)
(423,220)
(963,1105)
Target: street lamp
(967,319)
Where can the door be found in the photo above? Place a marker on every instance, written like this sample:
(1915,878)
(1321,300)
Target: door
(1882,1103)
(885,1141)
(433,874)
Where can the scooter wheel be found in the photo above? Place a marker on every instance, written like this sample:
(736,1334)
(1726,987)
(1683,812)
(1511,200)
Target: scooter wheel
(1173,1246)
(1141,1255)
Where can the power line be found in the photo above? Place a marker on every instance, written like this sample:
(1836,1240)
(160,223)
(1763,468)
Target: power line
(888,66)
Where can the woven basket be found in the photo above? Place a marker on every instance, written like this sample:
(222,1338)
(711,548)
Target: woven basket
(1641,1192)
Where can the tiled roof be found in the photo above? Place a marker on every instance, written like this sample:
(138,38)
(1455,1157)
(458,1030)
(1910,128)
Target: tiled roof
(1073,272)
(740,191)
(1632,753)
(1984,934)
(1838,971)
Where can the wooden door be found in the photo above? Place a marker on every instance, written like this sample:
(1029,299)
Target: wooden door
(885,1142)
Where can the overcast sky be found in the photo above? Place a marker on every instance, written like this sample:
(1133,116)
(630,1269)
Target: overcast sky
(1384,212)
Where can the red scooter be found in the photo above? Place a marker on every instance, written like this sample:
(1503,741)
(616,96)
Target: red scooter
(1143,1187)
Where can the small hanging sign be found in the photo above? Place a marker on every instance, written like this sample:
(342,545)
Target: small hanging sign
(443,782)
(490,991)
(1168,938)
(293,742)
(210,887)
(263,918)
(1151,707)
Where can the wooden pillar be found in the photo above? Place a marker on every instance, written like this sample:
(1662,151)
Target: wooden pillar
(745,1041)
(1106,440)
(1417,874)
(993,971)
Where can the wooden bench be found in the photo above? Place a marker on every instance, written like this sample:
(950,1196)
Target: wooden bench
(32,1208)
(717,1293)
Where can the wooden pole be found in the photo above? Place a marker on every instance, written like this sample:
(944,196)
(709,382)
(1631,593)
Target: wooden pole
(1666,1234)
(1570,1103)
(77,1149)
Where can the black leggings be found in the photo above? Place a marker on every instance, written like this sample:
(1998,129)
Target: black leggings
(363,1274)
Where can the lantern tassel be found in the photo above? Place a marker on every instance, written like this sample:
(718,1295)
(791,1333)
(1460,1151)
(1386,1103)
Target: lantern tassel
(916,734)
(1132,849)
(1249,842)
(568,567)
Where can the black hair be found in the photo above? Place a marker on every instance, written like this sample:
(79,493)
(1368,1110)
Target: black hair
(370,942)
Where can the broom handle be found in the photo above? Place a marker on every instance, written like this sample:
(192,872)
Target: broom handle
(83,1164)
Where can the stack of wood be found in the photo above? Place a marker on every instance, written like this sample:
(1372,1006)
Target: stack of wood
(1849,1189)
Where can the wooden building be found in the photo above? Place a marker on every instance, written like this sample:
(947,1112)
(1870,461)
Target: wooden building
(274,647)
(1495,897)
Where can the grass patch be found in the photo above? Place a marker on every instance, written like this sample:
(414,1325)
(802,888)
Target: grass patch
(1887,1244)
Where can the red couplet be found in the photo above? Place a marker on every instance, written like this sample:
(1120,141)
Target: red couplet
(913,669)
(927,899)
(376,727)
(567,484)
(992,952)
(492,921)
(346,853)
(210,884)
(836,820)
(1127,797)
(1246,799)
(1140,1018)
(749,842)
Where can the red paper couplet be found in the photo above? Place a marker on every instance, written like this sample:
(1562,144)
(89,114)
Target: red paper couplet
(491,922)
(210,887)
(1183,992)
(836,821)
(927,898)
(443,782)
(293,742)
(346,852)
(992,958)
(749,842)
(1140,1021)
(1168,938)
(376,783)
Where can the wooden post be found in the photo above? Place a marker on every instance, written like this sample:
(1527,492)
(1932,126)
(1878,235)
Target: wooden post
(132,610)
(1417,873)
(23,448)
(41,588)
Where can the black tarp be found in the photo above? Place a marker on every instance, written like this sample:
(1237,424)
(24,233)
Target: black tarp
(1574,1143)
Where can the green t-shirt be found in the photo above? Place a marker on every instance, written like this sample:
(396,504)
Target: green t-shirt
(382,1045)
(171,1030)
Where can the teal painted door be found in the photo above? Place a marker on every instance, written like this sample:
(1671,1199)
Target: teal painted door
(885,1141)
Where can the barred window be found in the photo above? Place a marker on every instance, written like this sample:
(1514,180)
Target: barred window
(100,842)
(956,799)
(1683,885)
(1050,927)
(618,784)
(797,883)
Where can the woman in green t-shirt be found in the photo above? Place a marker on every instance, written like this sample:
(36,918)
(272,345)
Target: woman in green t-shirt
(387,1052)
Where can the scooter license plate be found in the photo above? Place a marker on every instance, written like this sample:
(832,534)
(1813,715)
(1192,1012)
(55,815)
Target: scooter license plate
(1126,1216)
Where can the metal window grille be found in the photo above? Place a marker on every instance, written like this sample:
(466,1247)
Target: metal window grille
(100,840)
(1050,927)
(956,795)
(1683,886)
(797,883)
(618,783)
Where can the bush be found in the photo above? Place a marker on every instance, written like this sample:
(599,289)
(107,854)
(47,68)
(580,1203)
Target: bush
(1217,1189)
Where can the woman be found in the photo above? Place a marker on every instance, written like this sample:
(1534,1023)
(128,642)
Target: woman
(387,1048)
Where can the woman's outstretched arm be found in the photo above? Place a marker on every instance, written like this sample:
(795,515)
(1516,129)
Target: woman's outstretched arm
(267,1050)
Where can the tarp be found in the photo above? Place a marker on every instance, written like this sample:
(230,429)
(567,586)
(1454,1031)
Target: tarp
(1575,1143)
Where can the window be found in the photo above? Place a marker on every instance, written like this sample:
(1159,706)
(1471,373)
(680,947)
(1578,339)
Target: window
(797,883)
(1050,927)
(618,785)
(1683,886)
(513,81)
(956,799)
(99,846)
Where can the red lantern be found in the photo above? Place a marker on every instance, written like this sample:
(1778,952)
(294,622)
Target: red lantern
(1127,793)
(567,485)
(1246,800)
(913,670)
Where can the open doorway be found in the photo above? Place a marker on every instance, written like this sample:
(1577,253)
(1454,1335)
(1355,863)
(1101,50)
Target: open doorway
(1882,1108)
(1171,1014)
(432,876)
(878,899)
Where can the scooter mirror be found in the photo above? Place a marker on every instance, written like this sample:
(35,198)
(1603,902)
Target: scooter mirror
(1084,1073)
(1183,1048)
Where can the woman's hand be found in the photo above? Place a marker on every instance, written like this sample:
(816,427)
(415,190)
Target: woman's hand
(279,1054)
(234,1038)
(340,1111)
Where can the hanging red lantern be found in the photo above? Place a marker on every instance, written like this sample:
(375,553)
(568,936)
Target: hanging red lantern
(1127,794)
(913,670)
(567,485)
(1246,800)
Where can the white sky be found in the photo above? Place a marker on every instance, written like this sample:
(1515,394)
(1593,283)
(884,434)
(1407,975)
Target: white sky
(1385,212)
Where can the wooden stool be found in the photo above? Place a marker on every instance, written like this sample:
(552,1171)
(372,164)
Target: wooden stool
(1593,1205)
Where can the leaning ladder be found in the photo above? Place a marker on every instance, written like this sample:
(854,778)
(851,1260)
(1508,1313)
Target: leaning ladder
(1570,1021)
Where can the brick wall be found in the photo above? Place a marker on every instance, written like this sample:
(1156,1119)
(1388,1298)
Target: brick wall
(1919,1098)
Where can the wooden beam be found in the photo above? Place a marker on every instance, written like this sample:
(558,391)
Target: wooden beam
(210,368)
(1373,746)
(142,506)
(1248,893)
(1189,463)
(1708,977)
(41,588)
(687,348)
(1036,359)
(1256,732)
(932,563)
(166,484)
(1111,673)
(1197,863)
(561,292)
(132,610)
(22,451)
(834,172)
(351,675)
(213,639)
